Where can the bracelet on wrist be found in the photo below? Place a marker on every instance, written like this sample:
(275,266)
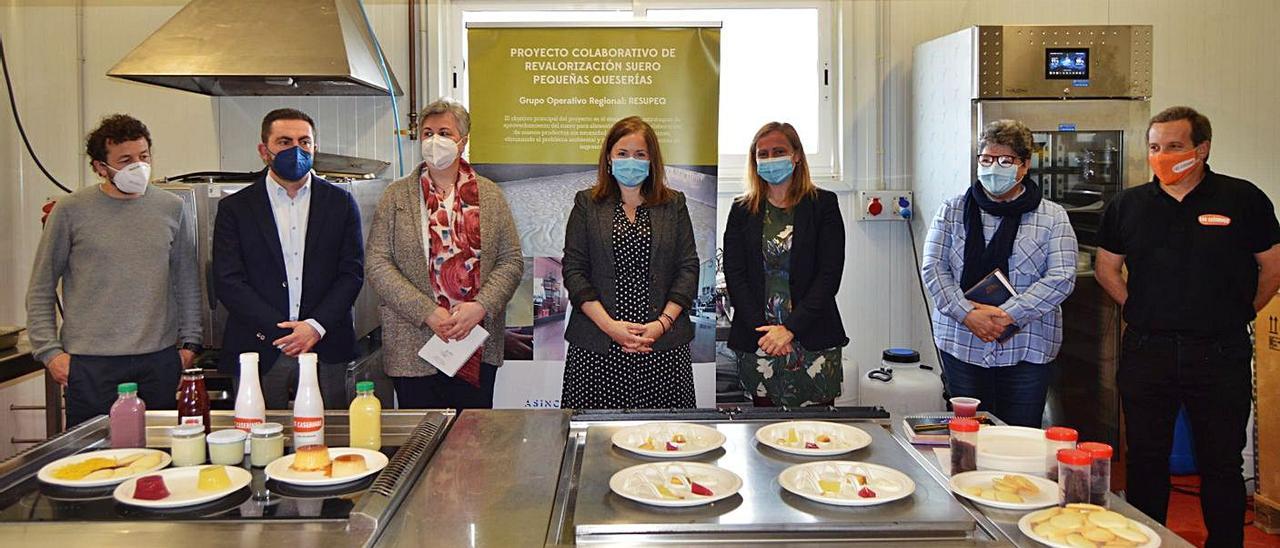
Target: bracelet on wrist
(669,318)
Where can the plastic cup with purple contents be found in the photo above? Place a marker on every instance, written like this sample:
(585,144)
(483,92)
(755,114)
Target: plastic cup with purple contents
(965,407)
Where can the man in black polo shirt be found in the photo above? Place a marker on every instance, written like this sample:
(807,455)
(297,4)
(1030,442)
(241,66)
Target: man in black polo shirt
(1203,258)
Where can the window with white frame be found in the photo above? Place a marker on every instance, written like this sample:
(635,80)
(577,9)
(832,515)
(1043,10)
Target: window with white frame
(776,63)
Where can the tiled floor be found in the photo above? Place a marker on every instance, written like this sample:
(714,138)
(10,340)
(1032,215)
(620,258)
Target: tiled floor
(1185,519)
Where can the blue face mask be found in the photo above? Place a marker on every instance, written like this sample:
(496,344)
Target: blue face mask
(292,163)
(775,171)
(630,172)
(998,180)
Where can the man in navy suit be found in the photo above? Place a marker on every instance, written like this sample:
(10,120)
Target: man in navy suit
(288,262)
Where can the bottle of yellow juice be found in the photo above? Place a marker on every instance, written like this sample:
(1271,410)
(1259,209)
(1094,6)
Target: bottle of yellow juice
(366,418)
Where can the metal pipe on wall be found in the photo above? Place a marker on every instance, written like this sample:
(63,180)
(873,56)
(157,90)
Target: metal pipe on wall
(413,70)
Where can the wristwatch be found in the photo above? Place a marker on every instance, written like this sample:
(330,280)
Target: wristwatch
(193,347)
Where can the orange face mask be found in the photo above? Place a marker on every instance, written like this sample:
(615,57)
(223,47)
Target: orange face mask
(1171,167)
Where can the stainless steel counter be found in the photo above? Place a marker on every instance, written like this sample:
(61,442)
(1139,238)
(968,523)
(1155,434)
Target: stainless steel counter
(510,478)
(762,510)
(412,430)
(1007,520)
(492,483)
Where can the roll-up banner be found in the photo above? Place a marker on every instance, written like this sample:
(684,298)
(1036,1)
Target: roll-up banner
(542,99)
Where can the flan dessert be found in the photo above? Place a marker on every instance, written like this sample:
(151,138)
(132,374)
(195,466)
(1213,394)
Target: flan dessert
(213,478)
(310,458)
(348,465)
(150,488)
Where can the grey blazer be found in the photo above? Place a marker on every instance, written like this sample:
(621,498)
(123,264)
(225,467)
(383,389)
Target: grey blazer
(396,267)
(589,273)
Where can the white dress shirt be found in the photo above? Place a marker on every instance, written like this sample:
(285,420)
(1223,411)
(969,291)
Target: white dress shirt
(291,225)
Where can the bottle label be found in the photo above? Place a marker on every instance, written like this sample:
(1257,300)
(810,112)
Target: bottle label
(305,425)
(198,419)
(246,423)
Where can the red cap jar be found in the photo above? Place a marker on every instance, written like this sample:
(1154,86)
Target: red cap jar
(1056,439)
(1099,471)
(1073,475)
(964,445)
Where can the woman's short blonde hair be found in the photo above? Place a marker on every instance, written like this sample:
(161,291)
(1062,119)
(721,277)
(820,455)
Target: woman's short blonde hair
(446,104)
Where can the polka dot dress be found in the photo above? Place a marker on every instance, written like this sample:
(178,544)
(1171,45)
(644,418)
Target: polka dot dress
(618,380)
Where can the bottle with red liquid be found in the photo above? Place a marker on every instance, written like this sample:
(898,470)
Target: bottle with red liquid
(193,399)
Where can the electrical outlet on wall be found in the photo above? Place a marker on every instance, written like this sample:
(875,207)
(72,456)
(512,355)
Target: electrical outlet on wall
(885,205)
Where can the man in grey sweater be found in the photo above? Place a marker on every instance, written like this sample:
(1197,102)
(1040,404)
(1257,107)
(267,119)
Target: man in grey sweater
(124,255)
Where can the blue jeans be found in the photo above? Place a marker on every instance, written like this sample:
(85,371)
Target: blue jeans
(1015,394)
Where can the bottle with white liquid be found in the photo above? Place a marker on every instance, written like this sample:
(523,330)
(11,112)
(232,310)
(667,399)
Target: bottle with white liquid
(251,407)
(308,406)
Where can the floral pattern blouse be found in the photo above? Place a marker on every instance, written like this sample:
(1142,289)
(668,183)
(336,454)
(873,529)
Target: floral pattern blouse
(454,227)
(803,377)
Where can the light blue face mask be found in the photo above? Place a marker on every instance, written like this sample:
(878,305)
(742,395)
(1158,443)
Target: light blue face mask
(776,171)
(998,180)
(630,172)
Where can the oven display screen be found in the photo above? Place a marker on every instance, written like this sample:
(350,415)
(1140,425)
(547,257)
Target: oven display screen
(1066,64)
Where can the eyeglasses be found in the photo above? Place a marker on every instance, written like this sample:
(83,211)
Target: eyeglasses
(985,160)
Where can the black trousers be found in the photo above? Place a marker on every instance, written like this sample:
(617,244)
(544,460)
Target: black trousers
(1210,375)
(441,391)
(92,381)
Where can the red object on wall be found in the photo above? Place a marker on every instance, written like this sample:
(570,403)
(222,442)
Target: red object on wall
(875,207)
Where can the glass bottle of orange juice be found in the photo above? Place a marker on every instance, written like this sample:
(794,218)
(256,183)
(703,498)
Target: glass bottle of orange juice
(365,415)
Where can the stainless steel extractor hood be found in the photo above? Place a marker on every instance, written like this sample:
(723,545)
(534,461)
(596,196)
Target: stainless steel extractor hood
(261,47)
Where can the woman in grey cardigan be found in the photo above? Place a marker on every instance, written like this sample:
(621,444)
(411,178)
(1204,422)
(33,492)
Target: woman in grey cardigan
(631,268)
(424,259)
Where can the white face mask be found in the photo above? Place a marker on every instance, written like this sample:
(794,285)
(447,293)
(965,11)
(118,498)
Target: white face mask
(133,178)
(439,151)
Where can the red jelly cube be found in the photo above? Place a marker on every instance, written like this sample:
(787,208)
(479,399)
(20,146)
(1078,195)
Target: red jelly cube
(866,493)
(150,488)
(672,447)
(699,489)
(810,445)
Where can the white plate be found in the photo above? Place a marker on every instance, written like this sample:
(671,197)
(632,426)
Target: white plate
(1048,495)
(46,473)
(795,479)
(1011,449)
(1024,525)
(630,483)
(845,438)
(279,469)
(699,439)
(182,485)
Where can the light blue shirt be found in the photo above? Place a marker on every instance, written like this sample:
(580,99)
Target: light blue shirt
(291,225)
(1042,270)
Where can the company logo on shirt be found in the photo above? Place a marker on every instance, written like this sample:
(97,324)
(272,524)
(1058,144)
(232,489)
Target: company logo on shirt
(1211,219)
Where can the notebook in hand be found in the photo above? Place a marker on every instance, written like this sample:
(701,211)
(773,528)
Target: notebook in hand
(994,290)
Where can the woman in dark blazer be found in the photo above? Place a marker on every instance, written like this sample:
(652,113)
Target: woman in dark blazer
(783,257)
(631,269)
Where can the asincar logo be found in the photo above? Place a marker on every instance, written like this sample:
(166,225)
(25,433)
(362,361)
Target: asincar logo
(1215,220)
(550,404)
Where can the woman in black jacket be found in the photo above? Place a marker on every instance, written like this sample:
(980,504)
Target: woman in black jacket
(783,258)
(631,269)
